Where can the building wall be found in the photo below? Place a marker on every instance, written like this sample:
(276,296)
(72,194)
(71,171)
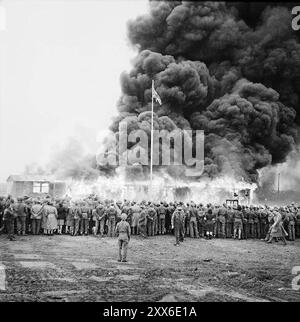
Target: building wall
(3,189)
(20,188)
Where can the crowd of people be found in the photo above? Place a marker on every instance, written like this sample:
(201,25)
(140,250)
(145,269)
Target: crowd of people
(92,216)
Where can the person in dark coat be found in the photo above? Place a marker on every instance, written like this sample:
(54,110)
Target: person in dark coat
(61,217)
(209,223)
(9,219)
(177,222)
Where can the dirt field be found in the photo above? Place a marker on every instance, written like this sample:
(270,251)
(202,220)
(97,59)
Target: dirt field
(65,268)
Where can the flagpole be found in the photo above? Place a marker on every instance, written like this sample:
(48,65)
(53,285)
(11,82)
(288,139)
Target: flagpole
(151,155)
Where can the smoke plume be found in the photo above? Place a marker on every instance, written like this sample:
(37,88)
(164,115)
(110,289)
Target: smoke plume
(226,68)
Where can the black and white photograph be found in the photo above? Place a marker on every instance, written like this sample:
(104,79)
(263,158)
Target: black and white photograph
(149,153)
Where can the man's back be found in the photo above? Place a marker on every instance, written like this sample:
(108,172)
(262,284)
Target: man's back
(123,229)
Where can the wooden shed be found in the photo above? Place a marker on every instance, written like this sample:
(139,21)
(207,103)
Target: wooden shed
(34,185)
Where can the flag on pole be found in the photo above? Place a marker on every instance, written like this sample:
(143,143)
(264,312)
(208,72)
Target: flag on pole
(155,94)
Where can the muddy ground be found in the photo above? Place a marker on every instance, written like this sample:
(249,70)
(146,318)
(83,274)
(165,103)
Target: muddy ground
(66,268)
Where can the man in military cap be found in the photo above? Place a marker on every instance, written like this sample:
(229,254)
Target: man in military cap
(123,232)
(177,222)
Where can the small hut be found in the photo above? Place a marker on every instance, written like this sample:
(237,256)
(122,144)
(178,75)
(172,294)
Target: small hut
(35,185)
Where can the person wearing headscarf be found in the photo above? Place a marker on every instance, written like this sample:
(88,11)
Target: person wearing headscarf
(51,215)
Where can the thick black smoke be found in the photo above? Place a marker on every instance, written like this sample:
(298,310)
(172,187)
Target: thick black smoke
(230,69)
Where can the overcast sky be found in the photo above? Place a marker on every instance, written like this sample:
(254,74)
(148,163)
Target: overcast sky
(60,64)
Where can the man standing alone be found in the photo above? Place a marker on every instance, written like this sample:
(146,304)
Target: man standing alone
(123,233)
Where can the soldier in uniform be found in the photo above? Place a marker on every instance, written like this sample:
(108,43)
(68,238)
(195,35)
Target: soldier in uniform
(99,217)
(201,214)
(161,213)
(209,223)
(256,222)
(129,214)
(229,223)
(169,213)
(187,219)
(142,221)
(290,219)
(245,223)
(126,209)
(193,220)
(61,217)
(215,210)
(76,214)
(123,233)
(263,222)
(283,211)
(177,222)
(111,214)
(85,217)
(238,223)
(9,216)
(136,211)
(28,204)
(297,224)
(68,223)
(221,221)
(250,213)
(151,218)
(21,218)
(2,208)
